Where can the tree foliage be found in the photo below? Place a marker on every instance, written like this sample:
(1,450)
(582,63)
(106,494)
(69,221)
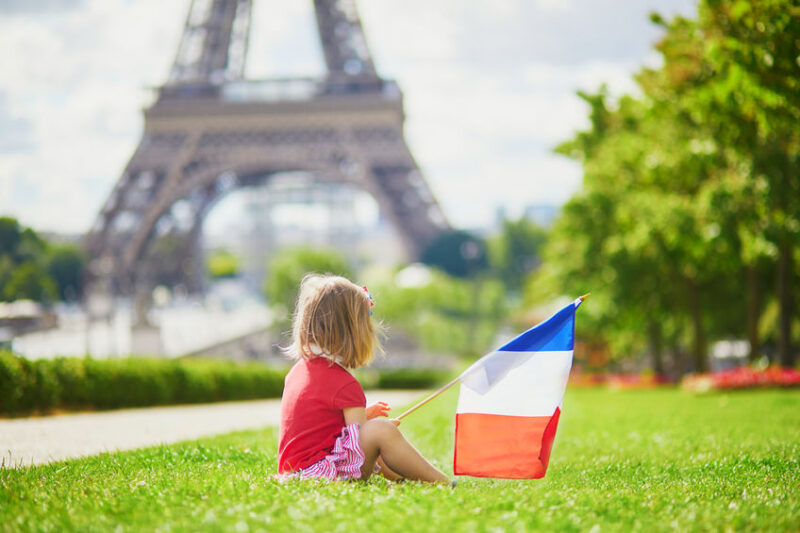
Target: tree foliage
(32,268)
(457,253)
(287,268)
(30,281)
(689,203)
(65,265)
(446,314)
(516,252)
(223,264)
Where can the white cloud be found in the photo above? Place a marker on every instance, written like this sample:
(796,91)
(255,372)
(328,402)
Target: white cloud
(412,33)
(511,183)
(77,78)
(37,6)
(555,5)
(489,89)
(617,76)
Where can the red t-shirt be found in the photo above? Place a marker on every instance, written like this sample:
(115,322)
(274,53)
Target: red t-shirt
(314,394)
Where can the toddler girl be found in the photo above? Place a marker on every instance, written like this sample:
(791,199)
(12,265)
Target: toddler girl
(326,429)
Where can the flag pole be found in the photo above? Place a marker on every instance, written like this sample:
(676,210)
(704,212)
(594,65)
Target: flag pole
(456,380)
(429,398)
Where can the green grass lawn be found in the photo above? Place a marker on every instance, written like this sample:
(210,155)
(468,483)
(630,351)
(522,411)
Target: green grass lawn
(639,460)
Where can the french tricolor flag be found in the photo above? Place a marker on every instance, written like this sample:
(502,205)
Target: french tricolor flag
(510,401)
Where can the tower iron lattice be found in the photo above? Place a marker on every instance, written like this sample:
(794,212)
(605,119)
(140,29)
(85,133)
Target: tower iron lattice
(210,131)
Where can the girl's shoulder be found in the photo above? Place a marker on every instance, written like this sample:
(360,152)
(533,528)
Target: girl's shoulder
(330,379)
(328,367)
(318,373)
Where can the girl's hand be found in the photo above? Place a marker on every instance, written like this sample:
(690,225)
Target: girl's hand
(378,409)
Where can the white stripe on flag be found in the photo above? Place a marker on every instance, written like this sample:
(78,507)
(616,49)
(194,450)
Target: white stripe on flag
(535,387)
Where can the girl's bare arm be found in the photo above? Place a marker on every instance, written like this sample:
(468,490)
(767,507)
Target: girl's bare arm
(354,415)
(359,415)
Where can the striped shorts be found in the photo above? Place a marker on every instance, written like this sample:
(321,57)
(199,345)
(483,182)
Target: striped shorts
(344,461)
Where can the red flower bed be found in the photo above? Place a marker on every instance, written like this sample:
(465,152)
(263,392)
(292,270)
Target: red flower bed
(742,378)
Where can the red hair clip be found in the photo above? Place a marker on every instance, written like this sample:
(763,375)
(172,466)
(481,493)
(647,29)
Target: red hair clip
(371,301)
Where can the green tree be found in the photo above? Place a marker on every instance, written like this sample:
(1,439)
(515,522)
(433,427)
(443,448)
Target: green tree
(20,244)
(223,264)
(458,253)
(30,281)
(31,247)
(6,269)
(10,236)
(648,242)
(690,190)
(447,314)
(626,238)
(286,270)
(65,265)
(516,251)
(737,72)
(23,256)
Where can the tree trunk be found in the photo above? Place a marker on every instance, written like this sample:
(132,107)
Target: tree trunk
(785,272)
(656,347)
(753,306)
(698,342)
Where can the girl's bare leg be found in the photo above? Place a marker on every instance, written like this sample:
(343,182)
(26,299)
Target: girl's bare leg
(387,472)
(382,438)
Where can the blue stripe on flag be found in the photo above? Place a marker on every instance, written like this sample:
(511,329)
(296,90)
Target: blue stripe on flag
(555,334)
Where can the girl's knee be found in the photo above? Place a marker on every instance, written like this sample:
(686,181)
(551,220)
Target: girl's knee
(378,430)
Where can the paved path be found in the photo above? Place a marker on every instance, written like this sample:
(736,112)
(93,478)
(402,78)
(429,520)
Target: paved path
(27,441)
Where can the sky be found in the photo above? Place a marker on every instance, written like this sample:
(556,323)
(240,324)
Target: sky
(489,89)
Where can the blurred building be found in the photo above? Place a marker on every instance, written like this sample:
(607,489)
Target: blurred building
(210,131)
(299,210)
(20,317)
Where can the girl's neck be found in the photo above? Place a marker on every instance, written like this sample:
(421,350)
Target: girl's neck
(335,358)
(316,351)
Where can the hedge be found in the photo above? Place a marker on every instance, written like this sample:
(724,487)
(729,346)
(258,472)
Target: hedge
(412,378)
(70,383)
(73,383)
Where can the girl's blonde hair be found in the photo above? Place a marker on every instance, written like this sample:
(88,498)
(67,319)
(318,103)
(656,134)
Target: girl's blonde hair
(332,318)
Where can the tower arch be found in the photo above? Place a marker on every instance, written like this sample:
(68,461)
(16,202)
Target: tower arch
(209,129)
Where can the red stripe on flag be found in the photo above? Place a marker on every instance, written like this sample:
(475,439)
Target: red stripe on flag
(501,446)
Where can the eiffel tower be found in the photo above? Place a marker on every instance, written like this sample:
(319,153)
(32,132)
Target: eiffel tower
(211,131)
